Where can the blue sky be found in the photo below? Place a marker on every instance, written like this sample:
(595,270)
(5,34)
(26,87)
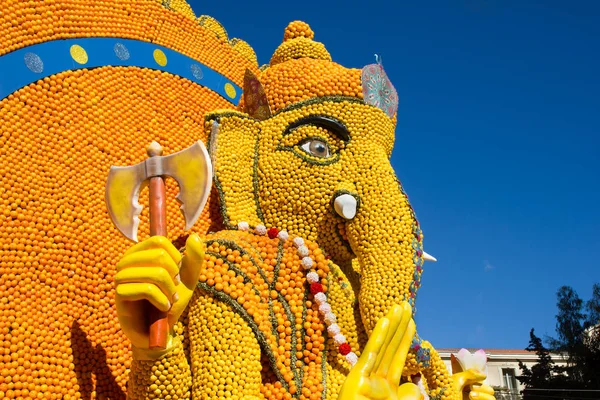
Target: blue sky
(497,145)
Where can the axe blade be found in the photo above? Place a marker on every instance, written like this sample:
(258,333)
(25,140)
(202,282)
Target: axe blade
(192,169)
(122,191)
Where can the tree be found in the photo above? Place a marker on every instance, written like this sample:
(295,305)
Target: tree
(591,356)
(578,339)
(570,329)
(541,373)
(593,307)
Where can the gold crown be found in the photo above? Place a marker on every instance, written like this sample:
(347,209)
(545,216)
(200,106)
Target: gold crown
(298,43)
(301,69)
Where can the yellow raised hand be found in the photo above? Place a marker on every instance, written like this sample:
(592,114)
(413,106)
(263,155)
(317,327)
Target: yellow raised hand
(376,375)
(468,376)
(154,271)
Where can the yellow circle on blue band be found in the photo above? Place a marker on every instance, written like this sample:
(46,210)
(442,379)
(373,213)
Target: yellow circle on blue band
(78,54)
(160,57)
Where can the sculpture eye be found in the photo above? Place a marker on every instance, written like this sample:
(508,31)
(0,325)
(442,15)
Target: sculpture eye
(317,148)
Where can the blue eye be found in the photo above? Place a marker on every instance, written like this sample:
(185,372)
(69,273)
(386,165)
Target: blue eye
(316,148)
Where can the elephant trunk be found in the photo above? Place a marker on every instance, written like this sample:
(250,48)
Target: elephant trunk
(386,238)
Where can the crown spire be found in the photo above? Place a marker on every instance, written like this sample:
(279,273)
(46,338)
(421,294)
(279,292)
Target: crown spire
(298,43)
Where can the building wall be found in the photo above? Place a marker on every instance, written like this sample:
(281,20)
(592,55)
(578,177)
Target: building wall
(503,368)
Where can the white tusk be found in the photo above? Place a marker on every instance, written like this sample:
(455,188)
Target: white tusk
(429,257)
(345,206)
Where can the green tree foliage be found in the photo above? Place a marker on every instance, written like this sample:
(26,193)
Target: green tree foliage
(540,373)
(578,340)
(593,307)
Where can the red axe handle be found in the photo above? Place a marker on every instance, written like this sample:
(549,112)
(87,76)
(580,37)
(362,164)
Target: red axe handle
(159,323)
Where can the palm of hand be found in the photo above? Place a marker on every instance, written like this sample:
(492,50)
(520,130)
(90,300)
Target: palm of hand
(150,272)
(376,375)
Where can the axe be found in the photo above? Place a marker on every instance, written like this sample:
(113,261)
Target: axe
(192,170)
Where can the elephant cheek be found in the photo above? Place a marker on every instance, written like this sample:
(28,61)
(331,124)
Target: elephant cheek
(387,241)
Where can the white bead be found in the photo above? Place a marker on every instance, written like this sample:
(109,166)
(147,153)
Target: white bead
(283,235)
(320,298)
(307,262)
(352,358)
(261,229)
(312,277)
(302,251)
(243,226)
(333,329)
(299,241)
(325,308)
(339,339)
(330,318)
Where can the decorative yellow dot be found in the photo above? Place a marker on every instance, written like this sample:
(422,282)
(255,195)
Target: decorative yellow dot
(160,57)
(230,90)
(79,54)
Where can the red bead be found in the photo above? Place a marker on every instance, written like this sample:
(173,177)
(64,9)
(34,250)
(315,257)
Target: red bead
(273,232)
(345,349)
(316,288)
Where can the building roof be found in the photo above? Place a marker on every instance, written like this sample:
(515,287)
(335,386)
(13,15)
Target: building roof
(488,351)
(501,354)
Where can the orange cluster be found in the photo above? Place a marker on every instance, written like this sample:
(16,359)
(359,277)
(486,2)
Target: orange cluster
(263,278)
(27,22)
(301,69)
(180,6)
(297,29)
(59,247)
(59,334)
(165,378)
(437,379)
(244,49)
(302,79)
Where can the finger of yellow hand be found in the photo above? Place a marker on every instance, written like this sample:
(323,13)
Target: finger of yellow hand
(156,242)
(149,258)
(397,365)
(375,388)
(395,316)
(480,396)
(487,389)
(366,363)
(143,291)
(468,377)
(155,276)
(409,391)
(404,315)
(192,261)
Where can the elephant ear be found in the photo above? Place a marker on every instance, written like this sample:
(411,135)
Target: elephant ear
(233,143)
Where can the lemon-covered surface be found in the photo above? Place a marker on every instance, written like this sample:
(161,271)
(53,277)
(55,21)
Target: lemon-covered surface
(259,319)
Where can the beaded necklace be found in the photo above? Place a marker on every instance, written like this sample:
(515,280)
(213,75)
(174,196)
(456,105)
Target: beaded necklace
(316,288)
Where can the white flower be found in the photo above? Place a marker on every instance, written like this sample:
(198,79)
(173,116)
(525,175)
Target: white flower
(320,298)
(330,318)
(283,235)
(339,339)
(352,358)
(333,329)
(299,241)
(261,229)
(307,262)
(325,308)
(243,226)
(312,277)
(303,251)
(476,361)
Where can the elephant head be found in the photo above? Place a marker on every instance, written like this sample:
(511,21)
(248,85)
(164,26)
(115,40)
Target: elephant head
(310,153)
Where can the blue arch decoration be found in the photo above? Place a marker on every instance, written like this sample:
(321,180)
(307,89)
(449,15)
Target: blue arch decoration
(22,67)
